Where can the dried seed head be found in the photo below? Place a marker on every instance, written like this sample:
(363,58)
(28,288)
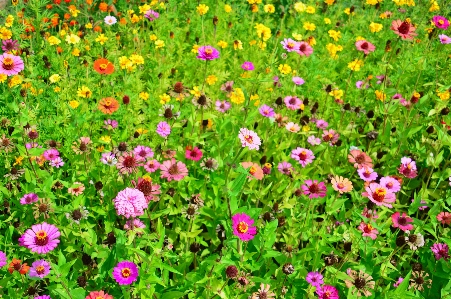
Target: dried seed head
(231,272)
(288,269)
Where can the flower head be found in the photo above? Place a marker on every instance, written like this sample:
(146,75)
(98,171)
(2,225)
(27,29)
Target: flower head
(207,53)
(254,170)
(248,66)
(444,217)
(29,198)
(327,292)
(98,295)
(298,80)
(340,184)
(125,273)
(3,259)
(303,156)
(402,221)
(40,268)
(9,45)
(249,139)
(16,265)
(304,49)
(103,66)
(285,168)
(108,105)
(440,22)
(315,279)
(151,15)
(367,174)
(173,170)
(368,230)
(263,293)
(10,64)
(194,154)
(41,238)
(440,250)
(293,102)
(444,39)
(222,106)
(314,189)
(414,240)
(364,46)
(403,29)
(266,111)
(361,281)
(163,129)
(408,168)
(391,184)
(242,227)
(130,203)
(380,195)
(360,159)
(290,45)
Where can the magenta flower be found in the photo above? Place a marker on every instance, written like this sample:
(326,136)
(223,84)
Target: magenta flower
(130,203)
(327,292)
(391,184)
(143,152)
(440,250)
(3,259)
(292,102)
(125,273)
(151,15)
(128,163)
(379,195)
(364,46)
(304,49)
(303,156)
(9,45)
(367,174)
(242,227)
(440,22)
(132,224)
(42,297)
(408,168)
(152,166)
(173,170)
(314,189)
(51,154)
(248,66)
(398,282)
(41,238)
(207,53)
(222,106)
(266,111)
(298,80)
(330,136)
(284,168)
(163,129)
(402,222)
(368,230)
(29,198)
(194,154)
(321,124)
(290,45)
(10,64)
(249,139)
(40,268)
(110,124)
(315,279)
(444,39)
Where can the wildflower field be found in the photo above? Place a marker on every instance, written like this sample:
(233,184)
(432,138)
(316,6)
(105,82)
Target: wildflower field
(225,149)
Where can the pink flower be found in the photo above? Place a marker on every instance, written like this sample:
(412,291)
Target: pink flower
(266,111)
(41,238)
(370,214)
(173,170)
(143,152)
(76,189)
(10,64)
(402,222)
(292,127)
(440,22)
(360,159)
(249,139)
(149,189)
(51,154)
(408,168)
(379,195)
(207,53)
(163,129)
(302,155)
(327,292)
(152,166)
(368,230)
(130,203)
(304,49)
(364,46)
(440,250)
(29,198)
(254,170)
(222,106)
(151,15)
(128,163)
(314,189)
(195,154)
(248,66)
(444,39)
(444,217)
(132,224)
(242,227)
(292,102)
(298,80)
(398,282)
(391,184)
(313,140)
(330,136)
(125,273)
(285,168)
(289,45)
(367,174)
(98,295)
(403,29)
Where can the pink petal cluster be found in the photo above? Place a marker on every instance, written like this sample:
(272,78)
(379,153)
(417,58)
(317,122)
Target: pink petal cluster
(130,203)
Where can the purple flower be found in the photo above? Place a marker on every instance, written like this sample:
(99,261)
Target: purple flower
(359,85)
(444,39)
(322,124)
(440,250)
(266,111)
(57,162)
(367,174)
(440,22)
(284,168)
(9,45)
(327,292)
(227,87)
(397,283)
(29,198)
(276,82)
(151,15)
(242,227)
(207,53)
(248,66)
(143,152)
(40,268)
(298,80)
(108,159)
(222,106)
(391,184)
(130,203)
(51,154)
(41,238)
(314,189)
(290,45)
(163,129)
(315,279)
(125,273)
(3,259)
(292,102)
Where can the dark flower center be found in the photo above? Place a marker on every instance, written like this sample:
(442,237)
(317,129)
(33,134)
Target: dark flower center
(122,147)
(360,283)
(209,164)
(292,101)
(243,281)
(5,142)
(419,280)
(77,215)
(168,113)
(8,63)
(178,87)
(402,221)
(412,238)
(43,208)
(14,171)
(404,28)
(313,188)
(83,146)
(302,47)
(202,100)
(173,169)
(129,162)
(191,211)
(17,266)
(262,295)
(360,158)
(364,46)
(145,187)
(40,269)
(41,238)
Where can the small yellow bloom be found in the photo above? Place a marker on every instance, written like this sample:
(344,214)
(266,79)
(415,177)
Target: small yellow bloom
(300,7)
(254,97)
(309,26)
(142,131)
(375,27)
(327,21)
(153,37)
(336,93)
(211,79)
(164,98)
(305,128)
(54,40)
(106,139)
(336,35)
(84,92)
(285,69)
(57,89)
(72,39)
(254,8)
(269,8)
(329,2)
(137,59)
(237,45)
(135,19)
(348,11)
(222,44)
(9,21)
(310,9)
(196,91)
(195,49)
(237,96)
(380,95)
(101,39)
(444,95)
(18,161)
(76,52)
(359,38)
(355,65)
(144,95)
(144,8)
(54,78)
(88,26)
(434,6)
(297,36)
(245,75)
(263,32)
(3,78)
(227,8)
(202,9)
(5,33)
(159,44)
(63,33)
(74,104)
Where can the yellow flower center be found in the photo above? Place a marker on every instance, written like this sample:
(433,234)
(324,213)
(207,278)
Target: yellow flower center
(248,138)
(8,61)
(252,170)
(242,227)
(107,102)
(208,51)
(125,272)
(290,45)
(103,66)
(40,269)
(441,22)
(41,235)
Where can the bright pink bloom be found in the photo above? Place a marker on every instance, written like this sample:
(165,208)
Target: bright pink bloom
(285,168)
(368,230)
(152,166)
(403,29)
(242,227)
(290,45)
(163,129)
(130,203)
(327,292)
(379,195)
(391,184)
(41,238)
(408,168)
(314,189)
(148,188)
(125,273)
(367,174)
(10,64)
(330,136)
(440,250)
(360,159)
(402,222)
(207,53)
(303,156)
(194,154)
(51,154)
(249,139)
(39,268)
(440,22)
(173,170)
(364,46)
(444,217)
(143,152)
(292,102)
(98,295)
(304,49)
(266,111)
(128,163)
(248,66)
(29,198)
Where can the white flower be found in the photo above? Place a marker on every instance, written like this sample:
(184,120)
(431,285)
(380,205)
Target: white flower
(351,148)
(415,240)
(110,20)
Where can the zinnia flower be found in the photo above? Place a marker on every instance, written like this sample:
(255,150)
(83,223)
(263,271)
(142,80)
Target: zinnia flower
(143,152)
(222,106)
(315,279)
(302,155)
(408,168)
(414,240)
(263,293)
(10,64)
(151,15)
(130,203)
(403,29)
(194,154)
(242,227)
(248,66)
(367,174)
(402,222)
(110,20)
(365,46)
(16,265)
(341,184)
(98,295)
(173,170)
(9,45)
(444,39)
(327,292)
(285,168)
(125,273)
(29,198)
(128,163)
(3,259)
(149,189)
(314,189)
(440,22)
(293,102)
(152,166)
(266,111)
(391,184)
(103,66)
(290,45)
(361,281)
(380,195)
(249,139)
(207,53)
(163,129)
(40,268)
(41,238)
(254,169)
(444,217)
(360,159)
(440,250)
(51,154)
(108,105)
(304,49)
(298,80)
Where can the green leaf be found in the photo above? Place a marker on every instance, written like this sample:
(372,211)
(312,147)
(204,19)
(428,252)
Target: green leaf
(169,268)
(172,295)
(401,289)
(61,258)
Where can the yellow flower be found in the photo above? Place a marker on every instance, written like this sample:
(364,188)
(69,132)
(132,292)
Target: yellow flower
(253,42)
(74,12)
(106,139)
(3,78)
(263,32)
(375,27)
(327,21)
(57,89)
(285,69)
(257,103)
(142,131)
(336,35)
(54,78)
(310,9)
(329,2)
(336,93)
(74,104)
(54,40)
(348,11)
(269,8)
(72,39)
(15,80)
(222,44)
(5,33)
(297,36)
(211,79)
(144,95)
(88,25)
(254,97)
(196,92)
(153,37)
(164,98)
(261,45)
(202,9)
(434,6)
(444,95)
(311,41)
(237,45)
(227,8)
(195,48)
(359,38)
(305,128)
(144,8)
(101,39)
(100,148)
(380,95)
(309,26)
(159,44)
(76,52)
(18,161)
(136,59)
(254,8)
(84,92)
(237,96)
(125,63)
(135,19)
(355,65)
(245,75)
(63,33)
(373,2)
(300,7)
(9,21)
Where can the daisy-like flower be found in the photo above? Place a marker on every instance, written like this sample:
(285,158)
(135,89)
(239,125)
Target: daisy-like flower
(292,127)
(361,281)
(248,66)
(143,152)
(202,101)
(367,174)
(293,102)
(40,268)
(3,259)
(207,53)
(444,217)
(42,207)
(414,240)
(266,111)
(125,273)
(6,144)
(254,170)
(108,105)
(227,87)
(314,189)
(315,279)
(16,265)
(152,166)
(380,195)
(360,159)
(440,22)
(368,230)
(151,15)
(82,146)
(108,159)
(444,39)
(285,168)
(242,227)
(51,154)
(194,154)
(130,203)
(173,170)
(405,30)
(391,184)
(418,280)
(408,168)
(110,124)
(327,292)
(10,64)
(76,189)
(321,124)
(41,238)
(298,80)
(110,20)
(149,189)
(330,136)
(190,211)
(222,106)
(290,45)
(77,215)
(98,295)
(263,293)
(29,198)
(304,49)
(9,45)
(128,163)
(440,250)
(302,155)
(57,163)
(402,221)
(313,140)
(163,129)
(249,139)
(209,164)
(340,184)
(364,46)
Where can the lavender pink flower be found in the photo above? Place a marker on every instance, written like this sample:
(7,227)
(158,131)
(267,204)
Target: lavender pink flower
(130,203)
(163,129)
(441,251)
(173,170)
(10,64)
(249,139)
(41,238)
(266,111)
(303,156)
(207,53)
(39,268)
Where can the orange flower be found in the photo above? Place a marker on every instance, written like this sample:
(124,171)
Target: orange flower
(98,29)
(108,105)
(59,50)
(123,21)
(18,266)
(67,16)
(103,66)
(255,170)
(103,7)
